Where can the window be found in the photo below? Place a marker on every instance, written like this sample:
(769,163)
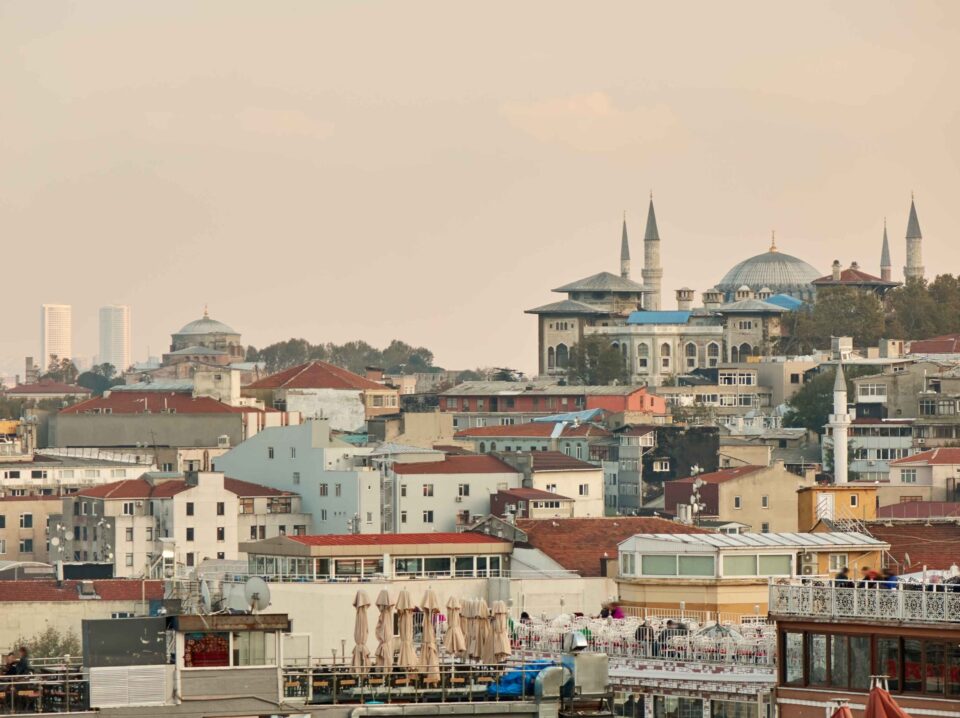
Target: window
(338,489)
(246,506)
(128,508)
(854,500)
(764,502)
(189,533)
(675,707)
(3,546)
(26,521)
(908,476)
(658,565)
(128,533)
(269,452)
(428,517)
(253,532)
(3,521)
(665,355)
(628,564)
(26,545)
(221,508)
(403,490)
(293,452)
(128,561)
(837,561)
(463,490)
(428,489)
(584,489)
(552,488)
(643,356)
(765,528)
(872,390)
(737,502)
(190,559)
(323,490)
(794,378)
(149,533)
(189,508)
(661,465)
(690,355)
(403,517)
(296,478)
(221,533)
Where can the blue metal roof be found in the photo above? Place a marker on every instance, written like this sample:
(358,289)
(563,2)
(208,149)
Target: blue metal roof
(665,317)
(785,301)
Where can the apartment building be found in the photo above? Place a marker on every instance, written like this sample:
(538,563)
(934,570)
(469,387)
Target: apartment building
(23,526)
(556,473)
(54,472)
(931,475)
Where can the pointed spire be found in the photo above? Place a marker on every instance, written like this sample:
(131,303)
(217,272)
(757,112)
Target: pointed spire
(624,242)
(885,252)
(206,314)
(652,234)
(840,382)
(773,240)
(913,224)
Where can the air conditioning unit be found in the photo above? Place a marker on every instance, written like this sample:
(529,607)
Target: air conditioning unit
(809,557)
(807,570)
(921,442)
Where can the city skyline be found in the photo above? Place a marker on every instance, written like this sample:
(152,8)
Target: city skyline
(115,337)
(459,190)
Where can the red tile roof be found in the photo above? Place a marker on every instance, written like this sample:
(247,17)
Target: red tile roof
(143,489)
(718,477)
(852,277)
(558,461)
(479,464)
(47,387)
(315,375)
(945,344)
(140,402)
(31,498)
(107,589)
(248,489)
(583,544)
(395,539)
(932,457)
(935,546)
(919,510)
(534,429)
(533,494)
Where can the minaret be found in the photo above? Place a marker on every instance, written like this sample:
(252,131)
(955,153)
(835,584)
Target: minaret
(886,267)
(652,273)
(839,425)
(624,251)
(914,268)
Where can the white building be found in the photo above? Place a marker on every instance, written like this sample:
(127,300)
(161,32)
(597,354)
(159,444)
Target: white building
(131,523)
(338,489)
(558,473)
(53,472)
(442,495)
(115,337)
(56,333)
(931,475)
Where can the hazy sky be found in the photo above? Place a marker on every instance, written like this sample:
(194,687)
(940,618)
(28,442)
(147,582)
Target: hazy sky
(427,171)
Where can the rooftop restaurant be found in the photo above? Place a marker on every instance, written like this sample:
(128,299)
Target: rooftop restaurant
(369,557)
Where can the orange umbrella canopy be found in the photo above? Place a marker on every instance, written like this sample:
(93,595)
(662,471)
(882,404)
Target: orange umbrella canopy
(880,704)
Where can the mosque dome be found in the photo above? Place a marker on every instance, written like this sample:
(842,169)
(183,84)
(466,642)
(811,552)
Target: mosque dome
(774,272)
(206,325)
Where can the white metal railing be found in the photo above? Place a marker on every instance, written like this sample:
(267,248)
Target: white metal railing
(700,617)
(878,600)
(398,575)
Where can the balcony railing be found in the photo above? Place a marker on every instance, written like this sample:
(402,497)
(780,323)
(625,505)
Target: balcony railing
(46,690)
(874,600)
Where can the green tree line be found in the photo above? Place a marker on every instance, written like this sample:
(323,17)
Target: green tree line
(396,357)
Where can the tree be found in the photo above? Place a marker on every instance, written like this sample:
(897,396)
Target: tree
(811,406)
(595,361)
(838,312)
(913,312)
(61,371)
(51,643)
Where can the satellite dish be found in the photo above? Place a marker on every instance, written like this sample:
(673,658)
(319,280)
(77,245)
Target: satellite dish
(235,599)
(204,597)
(257,593)
(54,540)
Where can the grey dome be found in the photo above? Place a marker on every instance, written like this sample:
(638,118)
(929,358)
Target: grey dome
(206,325)
(773,271)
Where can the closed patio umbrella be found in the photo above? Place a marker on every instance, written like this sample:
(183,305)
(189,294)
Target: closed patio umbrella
(454,641)
(361,656)
(501,632)
(470,618)
(407,658)
(383,658)
(880,704)
(429,657)
(484,634)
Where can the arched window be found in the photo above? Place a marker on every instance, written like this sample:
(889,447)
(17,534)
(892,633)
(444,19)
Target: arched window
(483,448)
(756,351)
(643,356)
(734,354)
(551,358)
(713,354)
(493,446)
(626,359)
(563,356)
(690,354)
(744,351)
(665,355)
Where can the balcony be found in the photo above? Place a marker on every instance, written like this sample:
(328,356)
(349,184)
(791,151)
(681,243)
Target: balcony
(908,602)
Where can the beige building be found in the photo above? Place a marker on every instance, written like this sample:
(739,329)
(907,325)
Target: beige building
(932,475)
(762,497)
(23,526)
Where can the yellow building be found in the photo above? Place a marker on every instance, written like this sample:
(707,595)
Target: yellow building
(729,572)
(836,503)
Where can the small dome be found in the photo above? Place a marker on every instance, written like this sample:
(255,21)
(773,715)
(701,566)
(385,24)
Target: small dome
(743,288)
(206,325)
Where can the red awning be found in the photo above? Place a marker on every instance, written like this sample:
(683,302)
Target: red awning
(880,704)
(842,711)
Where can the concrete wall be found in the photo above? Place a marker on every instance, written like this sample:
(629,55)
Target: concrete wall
(25,620)
(568,483)
(777,484)
(106,430)
(444,502)
(342,408)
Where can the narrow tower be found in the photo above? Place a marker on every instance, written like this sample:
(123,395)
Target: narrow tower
(624,251)
(839,425)
(652,273)
(914,268)
(886,268)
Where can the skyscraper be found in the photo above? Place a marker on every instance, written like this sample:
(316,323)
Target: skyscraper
(115,336)
(56,333)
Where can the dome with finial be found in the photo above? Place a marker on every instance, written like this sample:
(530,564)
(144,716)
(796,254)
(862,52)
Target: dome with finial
(773,271)
(206,325)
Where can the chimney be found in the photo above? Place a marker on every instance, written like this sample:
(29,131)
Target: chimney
(374,373)
(836,270)
(712,299)
(684,299)
(854,265)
